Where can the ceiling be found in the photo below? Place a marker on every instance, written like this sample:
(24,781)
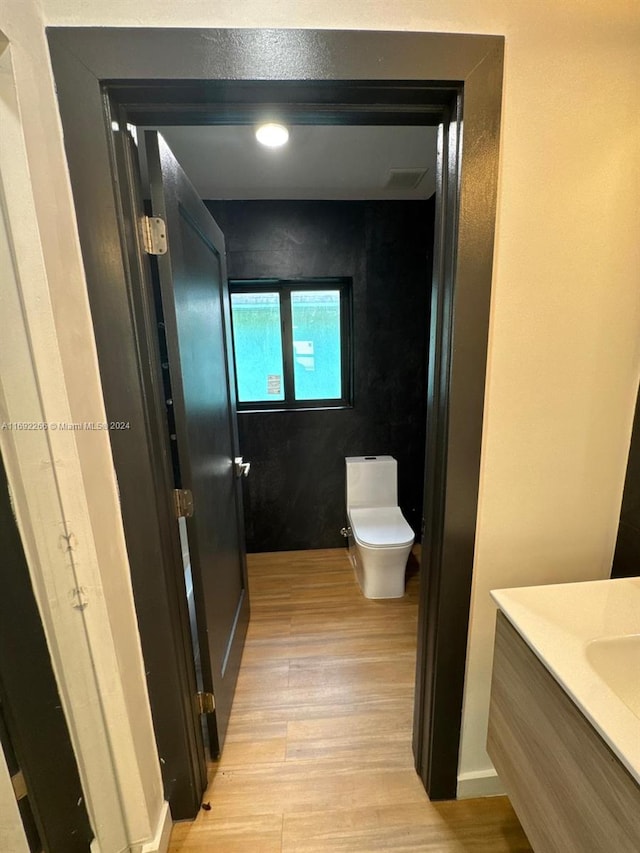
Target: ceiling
(318,162)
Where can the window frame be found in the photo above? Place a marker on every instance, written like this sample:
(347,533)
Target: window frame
(284,288)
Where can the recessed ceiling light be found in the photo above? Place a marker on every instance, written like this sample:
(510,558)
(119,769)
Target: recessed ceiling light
(272,135)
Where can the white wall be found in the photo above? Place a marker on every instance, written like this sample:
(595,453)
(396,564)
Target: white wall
(62,482)
(564,341)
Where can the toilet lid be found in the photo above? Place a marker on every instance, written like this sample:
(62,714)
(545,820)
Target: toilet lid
(380,527)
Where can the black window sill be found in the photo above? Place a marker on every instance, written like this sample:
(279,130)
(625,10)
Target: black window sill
(271,410)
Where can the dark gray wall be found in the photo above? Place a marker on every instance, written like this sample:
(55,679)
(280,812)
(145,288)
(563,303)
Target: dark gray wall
(627,555)
(294,496)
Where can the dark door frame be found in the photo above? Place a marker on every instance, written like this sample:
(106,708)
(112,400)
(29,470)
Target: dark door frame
(174,76)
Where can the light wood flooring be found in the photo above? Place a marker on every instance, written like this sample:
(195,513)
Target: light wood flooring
(318,751)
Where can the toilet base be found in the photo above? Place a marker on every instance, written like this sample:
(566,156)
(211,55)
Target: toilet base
(380,572)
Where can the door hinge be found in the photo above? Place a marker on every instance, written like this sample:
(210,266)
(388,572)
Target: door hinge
(206,703)
(19,786)
(154,235)
(183,503)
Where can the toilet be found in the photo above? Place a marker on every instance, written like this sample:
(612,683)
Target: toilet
(379,536)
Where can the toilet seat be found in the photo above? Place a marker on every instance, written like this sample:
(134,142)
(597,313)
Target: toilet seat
(380,527)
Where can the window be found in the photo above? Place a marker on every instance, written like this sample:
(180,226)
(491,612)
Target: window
(291,342)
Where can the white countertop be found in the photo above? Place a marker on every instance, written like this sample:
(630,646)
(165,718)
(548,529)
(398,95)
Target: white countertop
(559,622)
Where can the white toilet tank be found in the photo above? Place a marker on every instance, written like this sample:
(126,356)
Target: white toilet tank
(372,481)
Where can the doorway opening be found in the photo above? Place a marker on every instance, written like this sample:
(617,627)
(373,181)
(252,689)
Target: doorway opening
(110,78)
(282,250)
(371,247)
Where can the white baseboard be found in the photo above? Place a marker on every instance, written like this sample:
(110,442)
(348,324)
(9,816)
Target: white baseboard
(160,841)
(480,783)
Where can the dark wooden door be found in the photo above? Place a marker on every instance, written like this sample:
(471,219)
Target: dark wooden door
(195,303)
(33,730)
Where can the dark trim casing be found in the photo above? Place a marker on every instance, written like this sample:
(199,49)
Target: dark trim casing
(626,557)
(167,76)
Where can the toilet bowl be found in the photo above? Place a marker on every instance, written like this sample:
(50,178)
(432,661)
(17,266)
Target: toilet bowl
(379,536)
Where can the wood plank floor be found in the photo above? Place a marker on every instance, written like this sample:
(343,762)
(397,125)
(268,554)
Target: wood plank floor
(318,751)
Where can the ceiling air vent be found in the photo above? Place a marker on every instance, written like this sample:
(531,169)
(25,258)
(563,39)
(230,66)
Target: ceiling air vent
(404,179)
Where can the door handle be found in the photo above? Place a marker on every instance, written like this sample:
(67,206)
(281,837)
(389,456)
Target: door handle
(242,467)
